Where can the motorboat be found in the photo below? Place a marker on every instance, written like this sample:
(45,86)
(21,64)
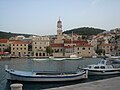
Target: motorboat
(54,58)
(74,57)
(94,56)
(115,57)
(45,76)
(39,59)
(51,58)
(104,67)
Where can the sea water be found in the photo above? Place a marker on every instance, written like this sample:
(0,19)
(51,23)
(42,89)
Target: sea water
(43,65)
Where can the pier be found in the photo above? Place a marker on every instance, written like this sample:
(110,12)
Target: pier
(106,84)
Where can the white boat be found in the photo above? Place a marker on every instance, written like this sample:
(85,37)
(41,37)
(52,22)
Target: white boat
(94,56)
(114,57)
(39,59)
(74,57)
(104,67)
(53,58)
(39,76)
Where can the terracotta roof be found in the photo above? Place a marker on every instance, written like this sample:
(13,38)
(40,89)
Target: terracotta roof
(57,45)
(77,42)
(86,45)
(18,42)
(68,47)
(105,45)
(3,40)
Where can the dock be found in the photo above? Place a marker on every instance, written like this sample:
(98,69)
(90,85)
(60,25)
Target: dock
(106,84)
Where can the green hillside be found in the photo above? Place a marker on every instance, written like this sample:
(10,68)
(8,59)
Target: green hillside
(9,34)
(85,31)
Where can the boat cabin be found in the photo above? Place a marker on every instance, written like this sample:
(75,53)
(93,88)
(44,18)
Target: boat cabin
(103,64)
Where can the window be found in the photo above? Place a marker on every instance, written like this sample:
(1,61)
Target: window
(21,48)
(78,52)
(43,54)
(36,54)
(17,48)
(89,48)
(24,44)
(83,48)
(39,54)
(96,67)
(24,48)
(102,67)
(89,66)
(78,48)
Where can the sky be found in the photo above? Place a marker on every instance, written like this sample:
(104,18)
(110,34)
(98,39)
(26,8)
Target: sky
(40,16)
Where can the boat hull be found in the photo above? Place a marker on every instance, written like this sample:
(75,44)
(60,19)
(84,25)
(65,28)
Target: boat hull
(103,72)
(45,78)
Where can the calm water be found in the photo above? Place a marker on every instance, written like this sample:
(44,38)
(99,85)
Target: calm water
(44,65)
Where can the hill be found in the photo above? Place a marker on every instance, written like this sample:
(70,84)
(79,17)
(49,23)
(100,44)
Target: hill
(9,34)
(85,31)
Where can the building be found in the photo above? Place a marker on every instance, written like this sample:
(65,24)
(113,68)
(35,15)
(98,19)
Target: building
(80,48)
(64,45)
(39,44)
(18,48)
(4,45)
(59,38)
(106,48)
(58,49)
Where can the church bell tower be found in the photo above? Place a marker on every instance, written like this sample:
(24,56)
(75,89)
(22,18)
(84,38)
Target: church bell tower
(59,27)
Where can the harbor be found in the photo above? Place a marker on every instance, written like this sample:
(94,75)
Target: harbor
(48,65)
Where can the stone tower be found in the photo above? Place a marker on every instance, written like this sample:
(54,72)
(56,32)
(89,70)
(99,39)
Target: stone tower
(59,38)
(59,27)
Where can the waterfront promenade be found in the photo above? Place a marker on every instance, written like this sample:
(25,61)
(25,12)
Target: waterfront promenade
(106,84)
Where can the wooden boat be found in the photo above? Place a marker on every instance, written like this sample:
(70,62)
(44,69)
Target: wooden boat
(104,67)
(38,76)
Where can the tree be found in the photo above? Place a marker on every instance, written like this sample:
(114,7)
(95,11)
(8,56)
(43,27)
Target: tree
(49,50)
(100,51)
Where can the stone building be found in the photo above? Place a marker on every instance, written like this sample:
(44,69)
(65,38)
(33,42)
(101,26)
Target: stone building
(18,48)
(39,44)
(3,44)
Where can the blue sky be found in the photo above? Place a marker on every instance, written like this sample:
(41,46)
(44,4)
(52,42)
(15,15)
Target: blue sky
(40,16)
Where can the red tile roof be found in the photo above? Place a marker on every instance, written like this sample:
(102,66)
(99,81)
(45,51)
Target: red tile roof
(77,42)
(18,42)
(105,45)
(3,40)
(85,45)
(57,45)
(68,46)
